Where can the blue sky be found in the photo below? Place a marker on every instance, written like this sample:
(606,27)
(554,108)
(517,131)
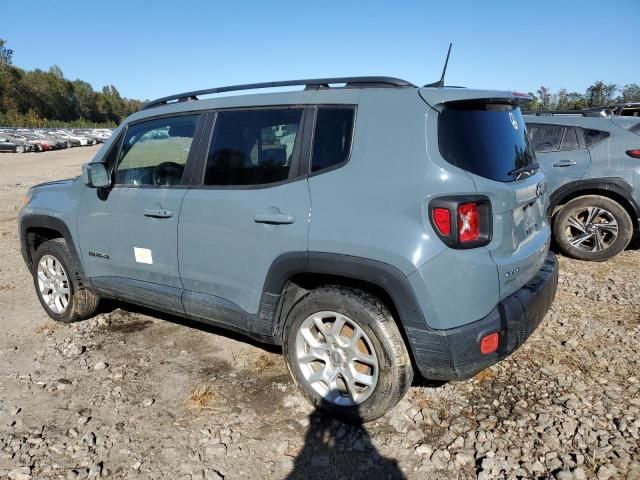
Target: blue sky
(155,48)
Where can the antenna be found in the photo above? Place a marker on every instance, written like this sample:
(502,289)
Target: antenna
(440,83)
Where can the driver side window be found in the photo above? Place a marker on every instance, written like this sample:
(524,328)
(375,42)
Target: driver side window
(155,152)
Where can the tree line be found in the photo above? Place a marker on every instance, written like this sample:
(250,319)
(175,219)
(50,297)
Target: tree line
(599,94)
(41,98)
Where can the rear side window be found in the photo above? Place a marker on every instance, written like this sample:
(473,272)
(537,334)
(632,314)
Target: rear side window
(570,140)
(592,137)
(487,139)
(545,138)
(332,137)
(253,147)
(635,129)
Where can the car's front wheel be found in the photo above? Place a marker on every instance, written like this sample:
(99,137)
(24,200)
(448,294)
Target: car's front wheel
(346,354)
(592,228)
(19,149)
(60,294)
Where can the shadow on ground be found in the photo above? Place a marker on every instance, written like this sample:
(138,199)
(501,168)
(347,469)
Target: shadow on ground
(335,450)
(108,306)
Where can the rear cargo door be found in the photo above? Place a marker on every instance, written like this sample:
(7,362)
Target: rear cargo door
(486,137)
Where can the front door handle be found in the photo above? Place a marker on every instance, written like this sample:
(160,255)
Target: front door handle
(274,218)
(157,213)
(565,163)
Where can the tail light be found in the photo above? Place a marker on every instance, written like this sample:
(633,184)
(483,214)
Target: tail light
(635,153)
(468,222)
(462,221)
(442,220)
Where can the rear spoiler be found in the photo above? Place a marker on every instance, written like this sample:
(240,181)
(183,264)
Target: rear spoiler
(439,96)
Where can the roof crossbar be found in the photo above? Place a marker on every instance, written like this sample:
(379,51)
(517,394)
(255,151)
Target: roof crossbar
(317,83)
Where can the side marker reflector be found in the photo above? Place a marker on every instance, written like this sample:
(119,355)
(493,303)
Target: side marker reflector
(489,343)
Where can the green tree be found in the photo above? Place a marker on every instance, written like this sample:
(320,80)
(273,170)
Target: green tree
(576,101)
(85,100)
(5,54)
(600,94)
(630,93)
(562,99)
(544,94)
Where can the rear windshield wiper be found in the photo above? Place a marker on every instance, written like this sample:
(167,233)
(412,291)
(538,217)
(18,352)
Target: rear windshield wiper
(530,169)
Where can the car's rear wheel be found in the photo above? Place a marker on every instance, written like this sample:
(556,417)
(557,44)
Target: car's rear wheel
(19,149)
(346,354)
(592,228)
(59,292)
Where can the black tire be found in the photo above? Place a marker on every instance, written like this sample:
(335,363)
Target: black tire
(561,231)
(395,371)
(20,149)
(83,303)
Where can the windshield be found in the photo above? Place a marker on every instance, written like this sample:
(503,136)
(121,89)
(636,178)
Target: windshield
(487,139)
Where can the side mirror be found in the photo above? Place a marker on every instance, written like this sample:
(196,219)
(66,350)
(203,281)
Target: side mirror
(95,175)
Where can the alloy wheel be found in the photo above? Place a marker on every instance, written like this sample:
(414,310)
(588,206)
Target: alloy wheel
(53,284)
(336,358)
(591,229)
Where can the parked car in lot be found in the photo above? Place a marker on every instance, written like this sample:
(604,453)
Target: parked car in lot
(37,145)
(419,255)
(64,137)
(10,144)
(57,142)
(77,140)
(592,164)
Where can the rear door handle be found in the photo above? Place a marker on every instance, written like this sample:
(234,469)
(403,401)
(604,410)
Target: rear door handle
(565,163)
(157,213)
(274,218)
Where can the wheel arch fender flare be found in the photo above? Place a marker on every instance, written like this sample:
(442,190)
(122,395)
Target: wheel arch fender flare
(378,274)
(615,188)
(30,222)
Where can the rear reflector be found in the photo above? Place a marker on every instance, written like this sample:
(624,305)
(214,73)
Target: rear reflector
(635,153)
(468,222)
(489,343)
(442,220)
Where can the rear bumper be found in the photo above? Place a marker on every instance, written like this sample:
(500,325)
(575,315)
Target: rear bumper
(454,354)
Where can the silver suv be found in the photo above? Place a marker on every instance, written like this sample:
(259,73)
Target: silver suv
(592,163)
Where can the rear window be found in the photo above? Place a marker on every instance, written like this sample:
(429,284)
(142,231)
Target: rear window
(487,139)
(635,129)
(332,137)
(592,137)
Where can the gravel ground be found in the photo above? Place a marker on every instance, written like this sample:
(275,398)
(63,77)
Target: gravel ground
(136,394)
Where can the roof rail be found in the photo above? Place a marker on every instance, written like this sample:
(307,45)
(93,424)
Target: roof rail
(310,84)
(592,112)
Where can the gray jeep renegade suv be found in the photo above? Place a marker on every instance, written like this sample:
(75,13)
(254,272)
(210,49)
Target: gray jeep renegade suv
(370,228)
